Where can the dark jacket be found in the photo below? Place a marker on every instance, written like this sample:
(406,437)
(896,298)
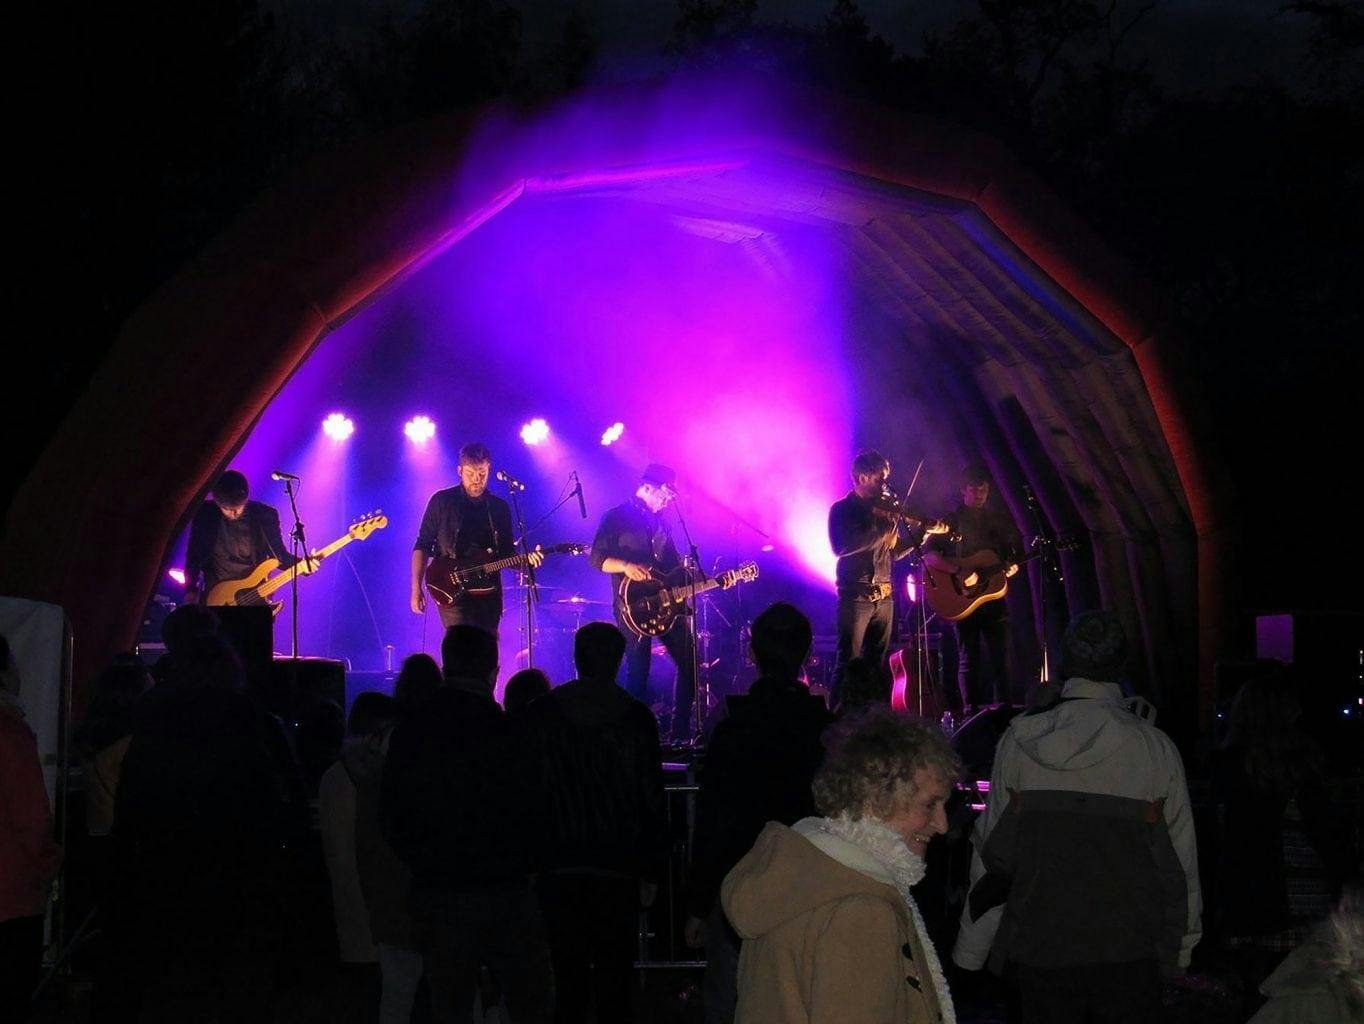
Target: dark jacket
(598,780)
(452,801)
(266,541)
(758,768)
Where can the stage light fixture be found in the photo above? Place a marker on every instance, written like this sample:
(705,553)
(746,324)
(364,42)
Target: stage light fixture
(535,432)
(178,575)
(338,427)
(419,429)
(612,433)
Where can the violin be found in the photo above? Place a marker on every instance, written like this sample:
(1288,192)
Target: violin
(891,506)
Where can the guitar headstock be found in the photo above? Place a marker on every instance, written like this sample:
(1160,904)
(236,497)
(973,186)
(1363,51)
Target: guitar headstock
(363,527)
(746,573)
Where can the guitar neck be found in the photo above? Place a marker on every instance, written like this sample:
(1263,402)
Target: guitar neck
(274,583)
(990,570)
(677,594)
(502,563)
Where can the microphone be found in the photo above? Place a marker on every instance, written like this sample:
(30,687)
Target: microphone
(582,505)
(281,475)
(511,481)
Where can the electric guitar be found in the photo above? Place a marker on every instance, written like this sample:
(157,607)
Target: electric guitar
(649,607)
(448,579)
(256,588)
(953,600)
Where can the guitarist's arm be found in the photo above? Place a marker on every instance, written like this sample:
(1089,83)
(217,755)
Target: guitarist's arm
(419,561)
(851,533)
(203,531)
(937,559)
(604,551)
(423,549)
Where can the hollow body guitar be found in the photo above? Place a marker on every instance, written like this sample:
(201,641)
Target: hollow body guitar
(257,588)
(948,595)
(449,579)
(650,607)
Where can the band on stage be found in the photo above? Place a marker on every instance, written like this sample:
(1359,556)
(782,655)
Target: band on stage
(467,535)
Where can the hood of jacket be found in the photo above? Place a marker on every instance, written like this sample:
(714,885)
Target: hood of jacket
(1088,726)
(793,871)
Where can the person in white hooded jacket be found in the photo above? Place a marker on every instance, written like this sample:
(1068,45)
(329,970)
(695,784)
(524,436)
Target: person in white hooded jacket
(1085,868)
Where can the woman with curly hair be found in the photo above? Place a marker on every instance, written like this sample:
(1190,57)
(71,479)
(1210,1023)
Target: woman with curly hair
(831,930)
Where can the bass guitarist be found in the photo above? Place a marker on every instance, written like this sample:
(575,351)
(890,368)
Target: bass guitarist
(976,527)
(469,525)
(634,542)
(230,536)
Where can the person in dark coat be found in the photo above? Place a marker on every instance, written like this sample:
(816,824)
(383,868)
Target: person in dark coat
(453,807)
(758,768)
(602,843)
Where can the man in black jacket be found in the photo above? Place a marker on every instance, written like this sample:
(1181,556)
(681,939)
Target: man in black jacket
(759,765)
(602,845)
(230,537)
(453,806)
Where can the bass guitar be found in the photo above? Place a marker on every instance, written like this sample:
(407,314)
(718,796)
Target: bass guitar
(949,596)
(649,607)
(256,588)
(448,579)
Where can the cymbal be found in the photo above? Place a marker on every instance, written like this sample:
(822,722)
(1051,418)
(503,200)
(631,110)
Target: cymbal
(579,599)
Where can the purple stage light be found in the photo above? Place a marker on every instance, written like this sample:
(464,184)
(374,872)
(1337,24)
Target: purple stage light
(535,432)
(419,429)
(338,427)
(612,433)
(178,575)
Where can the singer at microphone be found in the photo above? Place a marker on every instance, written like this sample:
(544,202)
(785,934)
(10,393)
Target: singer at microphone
(510,481)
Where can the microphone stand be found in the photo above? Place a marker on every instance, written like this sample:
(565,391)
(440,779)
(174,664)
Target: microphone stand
(297,541)
(695,570)
(532,589)
(1050,568)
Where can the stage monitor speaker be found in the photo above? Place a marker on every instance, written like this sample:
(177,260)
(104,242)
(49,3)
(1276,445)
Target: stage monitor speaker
(251,630)
(298,683)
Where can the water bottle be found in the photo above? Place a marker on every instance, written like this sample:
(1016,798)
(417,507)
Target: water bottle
(947,723)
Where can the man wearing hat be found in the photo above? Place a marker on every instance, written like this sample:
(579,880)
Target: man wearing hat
(634,542)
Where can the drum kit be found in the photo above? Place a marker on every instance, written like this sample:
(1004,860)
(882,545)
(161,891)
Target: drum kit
(560,613)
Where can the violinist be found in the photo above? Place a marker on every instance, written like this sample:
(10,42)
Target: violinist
(868,530)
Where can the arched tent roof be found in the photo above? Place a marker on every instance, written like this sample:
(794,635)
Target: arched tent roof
(1049,355)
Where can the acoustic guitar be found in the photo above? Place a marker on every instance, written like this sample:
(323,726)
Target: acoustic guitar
(256,588)
(949,596)
(649,607)
(449,579)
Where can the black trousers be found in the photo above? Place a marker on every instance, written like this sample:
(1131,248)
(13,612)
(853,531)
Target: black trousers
(1127,993)
(988,623)
(593,925)
(501,929)
(476,611)
(639,654)
(864,628)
